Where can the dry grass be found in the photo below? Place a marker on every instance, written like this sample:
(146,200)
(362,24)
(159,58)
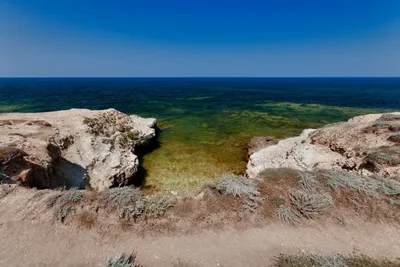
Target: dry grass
(124,200)
(341,179)
(235,185)
(64,203)
(391,187)
(308,180)
(86,219)
(131,204)
(311,204)
(183,263)
(286,215)
(153,206)
(325,260)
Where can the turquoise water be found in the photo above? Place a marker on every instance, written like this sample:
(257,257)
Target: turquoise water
(206,122)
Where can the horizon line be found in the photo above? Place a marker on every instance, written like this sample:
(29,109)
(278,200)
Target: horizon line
(191,77)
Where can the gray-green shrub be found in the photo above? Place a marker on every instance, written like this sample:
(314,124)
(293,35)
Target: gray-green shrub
(310,204)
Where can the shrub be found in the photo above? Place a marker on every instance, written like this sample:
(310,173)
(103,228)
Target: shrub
(311,204)
(286,215)
(236,186)
(390,187)
(124,260)
(308,180)
(64,203)
(353,181)
(325,260)
(124,199)
(153,206)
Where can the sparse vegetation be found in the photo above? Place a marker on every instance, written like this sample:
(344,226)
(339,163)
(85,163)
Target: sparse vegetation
(124,199)
(236,186)
(391,187)
(308,180)
(353,181)
(124,260)
(383,156)
(395,138)
(183,263)
(64,203)
(325,260)
(130,203)
(310,204)
(153,206)
(389,117)
(286,215)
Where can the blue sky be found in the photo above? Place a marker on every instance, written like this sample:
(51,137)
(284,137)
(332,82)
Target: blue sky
(141,38)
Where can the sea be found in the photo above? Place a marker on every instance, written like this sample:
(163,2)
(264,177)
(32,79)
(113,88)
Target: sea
(206,123)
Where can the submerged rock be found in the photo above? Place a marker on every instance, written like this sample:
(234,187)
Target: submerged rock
(364,144)
(72,148)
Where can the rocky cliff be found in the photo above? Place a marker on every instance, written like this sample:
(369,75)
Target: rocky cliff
(366,144)
(72,148)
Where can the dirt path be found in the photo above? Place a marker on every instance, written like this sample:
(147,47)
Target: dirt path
(26,243)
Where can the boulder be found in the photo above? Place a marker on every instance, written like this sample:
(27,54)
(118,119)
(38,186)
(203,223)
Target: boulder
(363,144)
(72,148)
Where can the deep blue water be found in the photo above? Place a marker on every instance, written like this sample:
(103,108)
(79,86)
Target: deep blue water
(207,122)
(153,96)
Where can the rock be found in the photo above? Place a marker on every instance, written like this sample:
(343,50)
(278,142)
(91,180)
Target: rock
(72,147)
(259,142)
(358,145)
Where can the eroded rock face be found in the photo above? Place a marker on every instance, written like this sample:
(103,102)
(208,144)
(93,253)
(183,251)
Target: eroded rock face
(364,144)
(72,147)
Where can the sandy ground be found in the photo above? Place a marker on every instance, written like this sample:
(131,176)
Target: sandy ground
(30,237)
(26,243)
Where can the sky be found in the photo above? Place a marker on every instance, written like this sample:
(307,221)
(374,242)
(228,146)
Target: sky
(199,38)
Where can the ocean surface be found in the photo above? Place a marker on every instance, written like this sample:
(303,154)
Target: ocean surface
(206,122)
